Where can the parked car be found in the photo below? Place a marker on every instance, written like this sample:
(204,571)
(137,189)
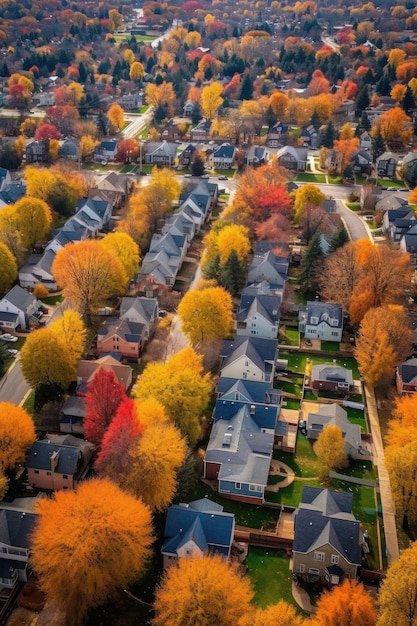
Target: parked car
(162,313)
(8,337)
(205,176)
(222,178)
(13,353)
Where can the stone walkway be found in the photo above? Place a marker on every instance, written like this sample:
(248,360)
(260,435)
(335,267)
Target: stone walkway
(278,469)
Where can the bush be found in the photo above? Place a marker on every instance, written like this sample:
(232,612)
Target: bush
(40,291)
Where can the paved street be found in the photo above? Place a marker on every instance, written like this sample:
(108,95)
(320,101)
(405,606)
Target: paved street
(13,387)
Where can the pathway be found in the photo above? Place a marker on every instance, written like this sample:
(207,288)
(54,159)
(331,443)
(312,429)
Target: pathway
(278,469)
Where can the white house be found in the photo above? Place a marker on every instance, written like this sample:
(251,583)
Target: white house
(322,320)
(16,308)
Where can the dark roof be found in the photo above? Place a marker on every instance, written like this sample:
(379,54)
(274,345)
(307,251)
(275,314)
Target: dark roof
(224,151)
(40,453)
(16,528)
(264,415)
(408,371)
(328,312)
(258,349)
(251,391)
(21,298)
(268,306)
(129,331)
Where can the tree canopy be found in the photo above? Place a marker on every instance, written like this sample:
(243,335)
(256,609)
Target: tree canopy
(206,314)
(17,433)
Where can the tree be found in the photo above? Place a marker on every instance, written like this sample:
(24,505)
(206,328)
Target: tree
(116,116)
(45,359)
(8,268)
(393,125)
(281,613)
(246,91)
(330,450)
(263,193)
(401,463)
(206,314)
(88,544)
(384,340)
(211,100)
(69,329)
(103,398)
(46,131)
(125,249)
(88,273)
(197,166)
(232,274)
(136,71)
(329,136)
(362,100)
(127,150)
(378,146)
(339,239)
(345,149)
(310,265)
(33,219)
(345,605)
(206,590)
(17,433)
(307,195)
(181,387)
(87,146)
(397,597)
(402,427)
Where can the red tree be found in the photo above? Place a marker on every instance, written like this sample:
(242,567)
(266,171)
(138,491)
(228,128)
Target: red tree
(104,395)
(122,434)
(127,150)
(47,131)
(271,200)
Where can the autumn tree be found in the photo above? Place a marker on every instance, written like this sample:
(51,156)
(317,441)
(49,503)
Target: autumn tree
(60,187)
(305,196)
(207,591)
(281,613)
(263,193)
(88,544)
(206,314)
(126,250)
(33,219)
(17,433)
(345,149)
(397,597)
(402,427)
(45,359)
(87,146)
(88,273)
(47,131)
(8,268)
(401,463)
(393,125)
(104,395)
(384,340)
(211,100)
(182,388)
(116,116)
(330,450)
(346,604)
(136,71)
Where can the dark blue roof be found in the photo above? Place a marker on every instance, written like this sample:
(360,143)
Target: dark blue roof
(39,457)
(252,391)
(265,416)
(16,528)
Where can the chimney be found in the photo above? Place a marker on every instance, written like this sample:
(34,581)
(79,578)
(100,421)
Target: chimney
(252,409)
(54,460)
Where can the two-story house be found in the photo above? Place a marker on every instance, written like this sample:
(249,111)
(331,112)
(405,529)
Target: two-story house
(249,358)
(258,316)
(140,310)
(17,308)
(122,337)
(321,320)
(16,528)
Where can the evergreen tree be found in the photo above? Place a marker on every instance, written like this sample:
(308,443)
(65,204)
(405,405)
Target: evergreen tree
(246,92)
(310,264)
(362,100)
(365,122)
(197,166)
(329,135)
(339,239)
(83,72)
(196,115)
(232,274)
(378,146)
(315,120)
(4,357)
(408,102)
(212,268)
(383,86)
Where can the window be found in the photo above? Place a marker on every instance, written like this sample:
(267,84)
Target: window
(238,485)
(318,556)
(302,568)
(255,488)
(36,471)
(334,333)
(64,476)
(48,473)
(314,319)
(335,559)
(313,570)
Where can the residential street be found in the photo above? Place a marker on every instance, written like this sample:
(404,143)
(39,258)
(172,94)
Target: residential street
(13,387)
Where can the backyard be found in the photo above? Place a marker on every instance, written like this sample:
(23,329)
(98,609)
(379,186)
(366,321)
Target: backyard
(270,576)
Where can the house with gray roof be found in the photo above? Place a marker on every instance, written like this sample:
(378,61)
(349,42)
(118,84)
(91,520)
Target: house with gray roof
(251,392)
(70,150)
(195,529)
(331,378)
(256,155)
(239,453)
(38,269)
(122,337)
(327,537)
(201,132)
(293,159)
(266,266)
(386,164)
(16,528)
(258,316)
(223,157)
(406,377)
(249,358)
(17,308)
(334,415)
(321,320)
(408,244)
(59,462)
(106,150)
(160,153)
(72,416)
(391,202)
(140,310)
(362,162)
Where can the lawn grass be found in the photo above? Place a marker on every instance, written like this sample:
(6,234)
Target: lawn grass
(334,180)
(52,300)
(143,108)
(360,469)
(353,206)
(310,178)
(291,495)
(228,173)
(29,403)
(330,346)
(292,336)
(128,168)
(291,387)
(390,183)
(297,361)
(270,576)
(304,462)
(249,515)
(292,404)
(357,416)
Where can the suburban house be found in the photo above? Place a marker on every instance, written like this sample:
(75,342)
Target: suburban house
(86,371)
(258,316)
(195,529)
(249,358)
(256,155)
(277,135)
(59,462)
(17,308)
(406,377)
(201,132)
(125,338)
(5,178)
(335,415)
(72,416)
(70,149)
(106,150)
(386,165)
(140,310)
(37,151)
(365,141)
(251,392)
(239,450)
(114,188)
(171,132)
(186,157)
(38,269)
(188,107)
(160,153)
(309,137)
(362,162)
(293,159)
(409,244)
(131,101)
(327,537)
(223,157)
(16,528)
(268,267)
(331,378)
(409,163)
(321,320)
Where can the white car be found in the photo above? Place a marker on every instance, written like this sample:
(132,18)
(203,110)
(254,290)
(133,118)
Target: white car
(7,337)
(13,353)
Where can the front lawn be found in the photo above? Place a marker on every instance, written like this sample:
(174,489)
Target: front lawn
(334,180)
(330,346)
(270,576)
(353,206)
(356,416)
(310,178)
(229,173)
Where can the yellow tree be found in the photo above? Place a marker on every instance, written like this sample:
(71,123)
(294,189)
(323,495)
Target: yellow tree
(69,329)
(392,125)
(345,149)
(203,591)
(17,433)
(307,195)
(330,450)
(211,100)
(33,219)
(346,132)
(89,544)
(206,314)
(279,103)
(136,71)
(45,360)
(401,462)
(53,149)
(402,427)
(125,249)
(88,273)
(398,92)
(397,597)
(87,146)
(116,116)
(384,340)
(151,411)
(8,268)
(345,605)
(281,613)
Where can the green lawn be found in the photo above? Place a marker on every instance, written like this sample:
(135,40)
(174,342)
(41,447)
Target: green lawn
(292,404)
(293,336)
(143,108)
(129,168)
(29,403)
(391,183)
(249,515)
(304,462)
(290,387)
(330,346)
(229,173)
(270,576)
(310,178)
(353,206)
(357,416)
(334,180)
(291,495)
(53,300)
(297,361)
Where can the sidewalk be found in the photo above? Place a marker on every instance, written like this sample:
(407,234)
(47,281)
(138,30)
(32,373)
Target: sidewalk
(388,508)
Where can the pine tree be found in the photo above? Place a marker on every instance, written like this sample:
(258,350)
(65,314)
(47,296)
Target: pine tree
(212,267)
(310,264)
(197,166)
(196,115)
(246,92)
(365,122)
(378,146)
(232,274)
(339,239)
(329,135)
(362,100)
(315,120)
(383,86)
(408,102)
